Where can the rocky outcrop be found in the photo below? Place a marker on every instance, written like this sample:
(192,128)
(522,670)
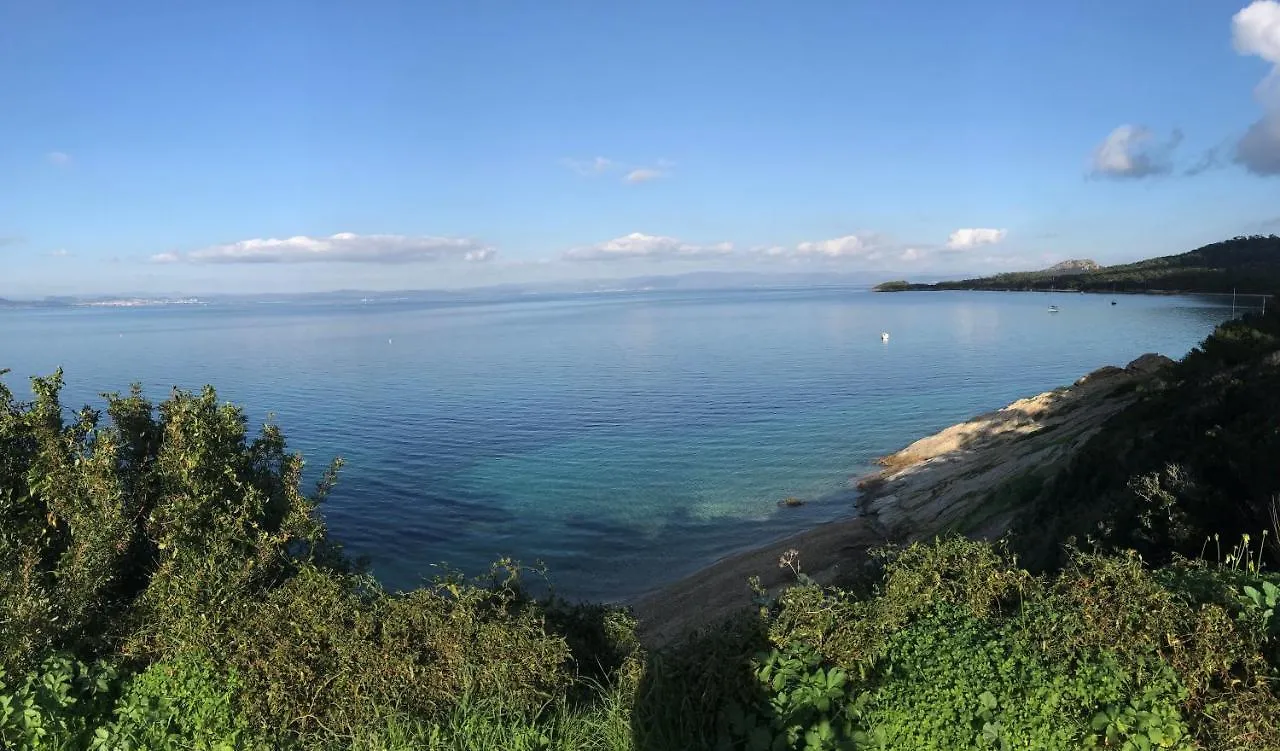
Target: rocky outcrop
(970,477)
(1075,266)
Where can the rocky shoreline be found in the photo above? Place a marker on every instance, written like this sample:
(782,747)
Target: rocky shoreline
(969,478)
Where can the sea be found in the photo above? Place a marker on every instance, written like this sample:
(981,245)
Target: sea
(622,440)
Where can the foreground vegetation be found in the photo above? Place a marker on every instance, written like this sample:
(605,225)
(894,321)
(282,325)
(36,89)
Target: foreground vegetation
(1245,264)
(165,583)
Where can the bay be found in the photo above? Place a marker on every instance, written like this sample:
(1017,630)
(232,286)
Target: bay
(624,439)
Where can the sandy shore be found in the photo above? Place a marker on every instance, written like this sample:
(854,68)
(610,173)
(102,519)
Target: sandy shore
(967,478)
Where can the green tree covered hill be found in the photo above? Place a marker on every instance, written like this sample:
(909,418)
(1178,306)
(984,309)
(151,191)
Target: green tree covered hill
(1247,264)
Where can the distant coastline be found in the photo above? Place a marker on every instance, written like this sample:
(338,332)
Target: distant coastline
(1153,292)
(1242,265)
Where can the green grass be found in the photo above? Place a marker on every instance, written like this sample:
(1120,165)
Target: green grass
(485,724)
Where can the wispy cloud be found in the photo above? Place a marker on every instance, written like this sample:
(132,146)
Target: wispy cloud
(59,158)
(60,253)
(879,249)
(643,175)
(344,247)
(1211,159)
(964,239)
(638,245)
(1256,31)
(631,173)
(661,168)
(1133,151)
(590,167)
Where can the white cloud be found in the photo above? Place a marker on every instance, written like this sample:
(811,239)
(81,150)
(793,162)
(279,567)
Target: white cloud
(849,246)
(910,254)
(344,247)
(855,247)
(59,253)
(59,158)
(1133,151)
(589,167)
(963,239)
(1256,31)
(643,174)
(640,245)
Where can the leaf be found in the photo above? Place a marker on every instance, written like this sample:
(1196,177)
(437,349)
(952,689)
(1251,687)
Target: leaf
(1273,593)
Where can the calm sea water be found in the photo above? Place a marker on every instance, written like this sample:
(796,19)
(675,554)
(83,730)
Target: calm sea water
(626,439)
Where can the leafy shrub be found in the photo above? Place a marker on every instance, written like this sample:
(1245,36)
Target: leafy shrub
(181,703)
(363,653)
(57,705)
(144,529)
(959,648)
(808,706)
(164,532)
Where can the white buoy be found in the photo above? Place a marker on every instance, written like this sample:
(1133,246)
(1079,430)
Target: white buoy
(388,341)
(884,336)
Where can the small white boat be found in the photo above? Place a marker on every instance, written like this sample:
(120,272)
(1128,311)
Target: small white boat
(1053,308)
(884,336)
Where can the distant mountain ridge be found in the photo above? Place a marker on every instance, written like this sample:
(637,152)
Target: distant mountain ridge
(697,280)
(1249,265)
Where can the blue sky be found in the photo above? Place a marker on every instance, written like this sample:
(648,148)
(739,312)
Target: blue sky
(272,145)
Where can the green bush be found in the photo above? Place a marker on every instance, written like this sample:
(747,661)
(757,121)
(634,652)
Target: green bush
(164,532)
(363,653)
(180,703)
(137,534)
(960,648)
(58,704)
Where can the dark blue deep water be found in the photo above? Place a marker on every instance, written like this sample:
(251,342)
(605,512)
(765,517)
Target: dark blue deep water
(623,439)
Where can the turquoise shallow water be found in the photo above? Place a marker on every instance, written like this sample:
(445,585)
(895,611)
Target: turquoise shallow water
(624,439)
